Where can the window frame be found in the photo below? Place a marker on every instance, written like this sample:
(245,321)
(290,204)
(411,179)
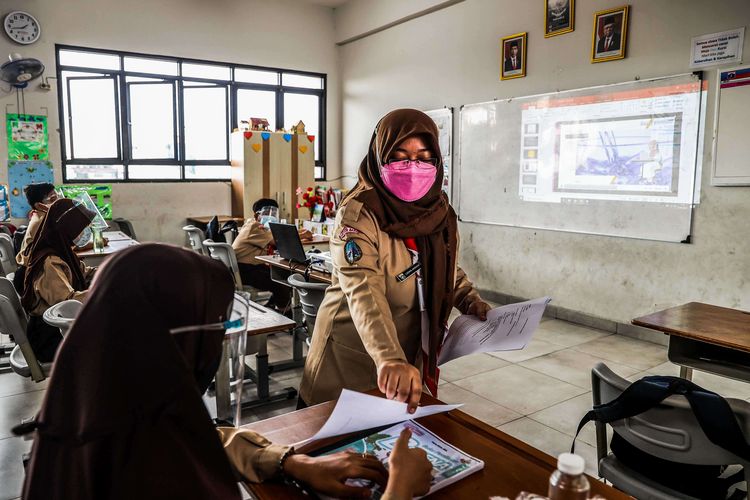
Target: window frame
(122,112)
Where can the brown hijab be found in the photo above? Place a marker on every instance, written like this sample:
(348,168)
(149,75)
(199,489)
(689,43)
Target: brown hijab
(430,220)
(123,416)
(63,223)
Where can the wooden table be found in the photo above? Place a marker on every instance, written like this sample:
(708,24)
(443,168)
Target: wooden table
(317,239)
(94,259)
(116,236)
(260,322)
(705,337)
(281,269)
(511,466)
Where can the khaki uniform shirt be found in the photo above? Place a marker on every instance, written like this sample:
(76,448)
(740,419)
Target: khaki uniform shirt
(53,285)
(34,224)
(252,241)
(367,317)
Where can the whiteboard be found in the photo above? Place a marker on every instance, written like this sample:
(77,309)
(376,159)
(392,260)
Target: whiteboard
(619,160)
(443,118)
(731,146)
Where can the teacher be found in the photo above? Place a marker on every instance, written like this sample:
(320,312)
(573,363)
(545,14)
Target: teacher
(395,278)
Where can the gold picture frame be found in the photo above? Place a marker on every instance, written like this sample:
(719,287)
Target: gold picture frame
(612,47)
(507,71)
(554,20)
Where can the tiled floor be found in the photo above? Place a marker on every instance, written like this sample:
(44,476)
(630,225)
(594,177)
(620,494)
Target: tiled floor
(537,395)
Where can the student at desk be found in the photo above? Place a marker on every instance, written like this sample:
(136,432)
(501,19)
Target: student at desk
(395,229)
(40,196)
(253,240)
(123,416)
(54,272)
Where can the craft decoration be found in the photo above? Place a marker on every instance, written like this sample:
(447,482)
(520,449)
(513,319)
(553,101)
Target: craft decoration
(22,173)
(310,138)
(101,195)
(256,147)
(303,149)
(247,135)
(299,128)
(287,137)
(27,137)
(265,135)
(259,124)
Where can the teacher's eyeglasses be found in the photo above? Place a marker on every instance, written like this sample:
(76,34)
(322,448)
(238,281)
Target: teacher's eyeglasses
(402,164)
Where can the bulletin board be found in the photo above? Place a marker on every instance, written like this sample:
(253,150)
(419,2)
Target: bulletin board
(443,118)
(619,160)
(731,156)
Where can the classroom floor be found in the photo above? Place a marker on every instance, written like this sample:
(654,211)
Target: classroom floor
(537,395)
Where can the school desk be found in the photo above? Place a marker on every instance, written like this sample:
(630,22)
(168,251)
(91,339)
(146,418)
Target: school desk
(281,269)
(93,259)
(511,466)
(260,322)
(705,337)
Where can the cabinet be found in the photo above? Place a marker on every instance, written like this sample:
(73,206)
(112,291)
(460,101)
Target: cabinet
(270,165)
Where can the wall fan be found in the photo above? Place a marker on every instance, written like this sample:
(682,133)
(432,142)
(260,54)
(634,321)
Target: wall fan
(16,73)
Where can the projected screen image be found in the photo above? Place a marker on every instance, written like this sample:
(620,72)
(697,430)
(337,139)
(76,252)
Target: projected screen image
(627,155)
(637,145)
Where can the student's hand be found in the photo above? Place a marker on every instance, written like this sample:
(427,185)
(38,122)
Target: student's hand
(479,308)
(410,471)
(305,235)
(400,381)
(85,248)
(328,474)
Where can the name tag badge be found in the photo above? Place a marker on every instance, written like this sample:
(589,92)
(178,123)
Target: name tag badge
(408,272)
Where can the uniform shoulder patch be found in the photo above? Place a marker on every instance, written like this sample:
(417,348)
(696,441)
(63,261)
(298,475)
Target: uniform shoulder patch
(346,231)
(352,252)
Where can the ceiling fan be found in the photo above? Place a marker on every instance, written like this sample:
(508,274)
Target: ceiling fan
(16,73)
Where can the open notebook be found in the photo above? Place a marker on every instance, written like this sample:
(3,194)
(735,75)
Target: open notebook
(449,464)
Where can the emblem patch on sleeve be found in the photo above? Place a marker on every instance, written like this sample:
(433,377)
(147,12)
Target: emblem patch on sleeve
(352,252)
(346,231)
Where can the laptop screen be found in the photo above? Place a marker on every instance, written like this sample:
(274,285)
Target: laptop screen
(287,242)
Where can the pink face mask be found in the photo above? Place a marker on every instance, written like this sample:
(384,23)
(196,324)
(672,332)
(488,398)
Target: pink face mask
(408,180)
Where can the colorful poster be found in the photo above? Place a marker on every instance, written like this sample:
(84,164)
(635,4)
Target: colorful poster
(22,173)
(4,205)
(27,137)
(101,194)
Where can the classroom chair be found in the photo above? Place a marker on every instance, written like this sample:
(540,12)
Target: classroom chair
(669,431)
(125,226)
(195,237)
(13,321)
(62,315)
(310,296)
(224,253)
(7,254)
(4,229)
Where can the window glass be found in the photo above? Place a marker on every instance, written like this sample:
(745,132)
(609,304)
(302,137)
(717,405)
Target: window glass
(154,171)
(89,59)
(152,121)
(93,117)
(94,172)
(256,76)
(208,171)
(306,108)
(157,66)
(205,123)
(303,81)
(209,71)
(256,104)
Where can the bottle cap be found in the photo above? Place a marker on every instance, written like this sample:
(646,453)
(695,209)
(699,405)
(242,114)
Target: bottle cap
(569,463)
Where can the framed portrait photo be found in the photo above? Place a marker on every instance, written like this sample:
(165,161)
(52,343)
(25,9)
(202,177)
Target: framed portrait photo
(559,17)
(513,56)
(610,34)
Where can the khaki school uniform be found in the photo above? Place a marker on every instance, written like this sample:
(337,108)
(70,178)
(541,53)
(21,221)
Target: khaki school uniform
(252,241)
(367,317)
(53,285)
(35,222)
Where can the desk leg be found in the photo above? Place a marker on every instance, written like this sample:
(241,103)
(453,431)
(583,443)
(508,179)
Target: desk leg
(261,363)
(223,397)
(686,373)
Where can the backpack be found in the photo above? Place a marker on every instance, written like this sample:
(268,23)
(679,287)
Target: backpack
(715,416)
(215,233)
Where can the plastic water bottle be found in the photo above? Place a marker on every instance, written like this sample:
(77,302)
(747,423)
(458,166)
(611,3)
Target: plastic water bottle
(568,481)
(98,238)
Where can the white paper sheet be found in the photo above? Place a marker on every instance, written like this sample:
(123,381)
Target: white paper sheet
(356,412)
(507,328)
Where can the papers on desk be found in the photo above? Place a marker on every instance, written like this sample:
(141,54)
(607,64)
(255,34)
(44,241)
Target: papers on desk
(507,328)
(356,412)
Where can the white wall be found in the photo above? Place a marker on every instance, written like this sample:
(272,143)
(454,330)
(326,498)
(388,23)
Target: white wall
(283,33)
(451,57)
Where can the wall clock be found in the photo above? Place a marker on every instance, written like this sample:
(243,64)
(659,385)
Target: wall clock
(22,27)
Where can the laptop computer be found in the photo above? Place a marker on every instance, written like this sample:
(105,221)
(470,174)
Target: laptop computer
(288,242)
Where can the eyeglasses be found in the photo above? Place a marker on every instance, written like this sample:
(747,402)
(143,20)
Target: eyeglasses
(402,164)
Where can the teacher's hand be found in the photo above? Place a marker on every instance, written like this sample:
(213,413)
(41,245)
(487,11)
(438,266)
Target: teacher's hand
(400,381)
(479,308)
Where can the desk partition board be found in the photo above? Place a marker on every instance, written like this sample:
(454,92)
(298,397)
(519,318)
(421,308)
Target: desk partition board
(443,118)
(731,145)
(619,160)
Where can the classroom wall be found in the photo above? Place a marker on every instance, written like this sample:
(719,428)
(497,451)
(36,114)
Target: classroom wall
(451,57)
(283,33)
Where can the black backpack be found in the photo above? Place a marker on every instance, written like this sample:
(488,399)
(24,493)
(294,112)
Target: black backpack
(715,416)
(215,233)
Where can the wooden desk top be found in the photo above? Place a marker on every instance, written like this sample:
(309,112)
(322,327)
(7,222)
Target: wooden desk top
(116,235)
(511,466)
(276,261)
(716,325)
(259,323)
(318,239)
(113,246)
